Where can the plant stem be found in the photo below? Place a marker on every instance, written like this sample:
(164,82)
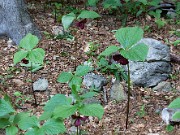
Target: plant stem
(35,101)
(77,130)
(127,113)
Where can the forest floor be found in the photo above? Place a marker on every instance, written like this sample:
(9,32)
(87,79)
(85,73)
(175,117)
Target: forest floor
(63,55)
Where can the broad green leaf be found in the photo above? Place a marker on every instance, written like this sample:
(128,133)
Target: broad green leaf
(169,128)
(58,99)
(176,116)
(53,126)
(92,3)
(136,53)
(175,104)
(12,130)
(64,77)
(82,70)
(111,4)
(36,55)
(77,81)
(89,95)
(45,115)
(143,1)
(67,20)
(92,110)
(129,36)
(28,122)
(88,14)
(111,49)
(20,116)
(35,131)
(5,108)
(18,56)
(4,122)
(29,42)
(64,111)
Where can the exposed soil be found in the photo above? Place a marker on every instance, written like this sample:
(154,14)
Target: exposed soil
(63,55)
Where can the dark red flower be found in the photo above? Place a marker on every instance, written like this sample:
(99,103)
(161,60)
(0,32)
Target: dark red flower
(25,61)
(81,23)
(77,123)
(120,59)
(84,118)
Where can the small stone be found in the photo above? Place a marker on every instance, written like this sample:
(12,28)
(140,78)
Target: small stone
(117,92)
(163,86)
(72,130)
(167,114)
(92,80)
(18,82)
(57,30)
(40,85)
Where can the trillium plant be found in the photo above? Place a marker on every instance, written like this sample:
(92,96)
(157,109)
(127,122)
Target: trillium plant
(130,50)
(78,109)
(29,56)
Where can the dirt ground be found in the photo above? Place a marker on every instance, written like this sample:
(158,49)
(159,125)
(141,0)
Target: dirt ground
(63,55)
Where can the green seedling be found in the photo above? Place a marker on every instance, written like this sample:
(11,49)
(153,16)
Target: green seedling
(128,37)
(20,99)
(141,113)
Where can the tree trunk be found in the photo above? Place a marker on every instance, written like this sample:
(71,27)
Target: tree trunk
(15,21)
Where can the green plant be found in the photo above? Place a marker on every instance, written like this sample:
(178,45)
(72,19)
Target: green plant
(20,99)
(158,20)
(141,113)
(29,56)
(92,48)
(13,122)
(128,37)
(78,106)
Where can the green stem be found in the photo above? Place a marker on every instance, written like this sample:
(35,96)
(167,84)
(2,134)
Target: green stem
(77,130)
(35,101)
(127,113)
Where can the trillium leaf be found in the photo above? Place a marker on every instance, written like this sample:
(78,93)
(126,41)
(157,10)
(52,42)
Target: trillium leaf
(176,116)
(64,77)
(129,36)
(175,104)
(88,14)
(53,126)
(58,99)
(28,122)
(18,56)
(82,70)
(67,20)
(12,130)
(36,55)
(92,110)
(64,111)
(76,81)
(136,53)
(5,108)
(29,42)
(108,51)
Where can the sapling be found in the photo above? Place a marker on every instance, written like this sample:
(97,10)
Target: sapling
(130,50)
(28,55)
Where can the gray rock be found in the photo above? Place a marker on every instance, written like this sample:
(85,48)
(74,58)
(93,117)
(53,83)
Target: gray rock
(15,21)
(92,100)
(40,85)
(167,114)
(93,80)
(117,92)
(163,86)
(156,67)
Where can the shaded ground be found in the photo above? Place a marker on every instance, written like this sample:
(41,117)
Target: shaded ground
(63,55)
